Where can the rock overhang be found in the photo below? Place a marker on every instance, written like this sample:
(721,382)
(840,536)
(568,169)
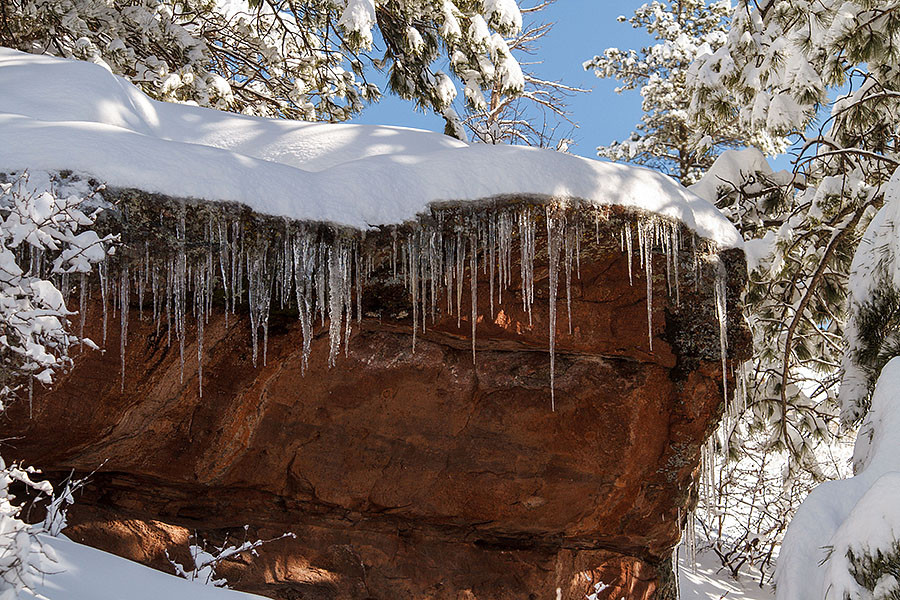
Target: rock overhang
(402,260)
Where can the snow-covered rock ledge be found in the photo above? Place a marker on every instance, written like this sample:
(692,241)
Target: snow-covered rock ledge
(432,312)
(59,114)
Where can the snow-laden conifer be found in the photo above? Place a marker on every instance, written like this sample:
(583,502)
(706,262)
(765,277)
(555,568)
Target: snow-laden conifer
(304,60)
(665,139)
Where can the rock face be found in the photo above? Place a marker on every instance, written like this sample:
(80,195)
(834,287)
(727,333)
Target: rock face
(409,474)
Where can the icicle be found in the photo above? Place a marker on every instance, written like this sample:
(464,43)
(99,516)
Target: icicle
(433,257)
(224,267)
(647,253)
(104,283)
(359,289)
(667,248)
(347,286)
(676,243)
(201,320)
(568,267)
(553,235)
(180,289)
(460,275)
(692,543)
(123,322)
(577,251)
(321,280)
(259,294)
(141,279)
(154,287)
(335,304)
(491,260)
(236,258)
(412,260)
(449,271)
(505,241)
(303,281)
(169,298)
(82,306)
(473,284)
(722,317)
(628,250)
(527,244)
(394,251)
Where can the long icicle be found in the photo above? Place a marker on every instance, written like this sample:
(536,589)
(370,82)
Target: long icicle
(553,233)
(473,273)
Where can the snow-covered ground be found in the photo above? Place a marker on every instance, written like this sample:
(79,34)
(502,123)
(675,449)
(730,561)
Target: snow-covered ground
(707,582)
(83,573)
(58,114)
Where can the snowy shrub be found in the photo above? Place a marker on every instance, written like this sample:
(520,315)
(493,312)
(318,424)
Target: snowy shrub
(43,240)
(40,238)
(206,559)
(59,502)
(22,557)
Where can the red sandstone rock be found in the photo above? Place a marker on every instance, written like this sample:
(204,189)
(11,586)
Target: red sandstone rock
(406,475)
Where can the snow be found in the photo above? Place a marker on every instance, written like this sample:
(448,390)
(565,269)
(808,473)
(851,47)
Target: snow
(58,114)
(860,513)
(359,17)
(875,264)
(705,581)
(732,166)
(83,573)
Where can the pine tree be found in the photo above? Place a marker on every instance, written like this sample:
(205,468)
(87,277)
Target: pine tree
(826,73)
(305,59)
(665,139)
(774,74)
(536,116)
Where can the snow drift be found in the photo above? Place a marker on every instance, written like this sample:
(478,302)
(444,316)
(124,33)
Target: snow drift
(859,515)
(60,114)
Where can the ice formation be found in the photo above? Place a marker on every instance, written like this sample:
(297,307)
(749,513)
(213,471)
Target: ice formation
(445,209)
(322,272)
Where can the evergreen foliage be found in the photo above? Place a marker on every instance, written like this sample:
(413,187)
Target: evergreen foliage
(826,73)
(665,139)
(773,74)
(878,572)
(302,59)
(536,116)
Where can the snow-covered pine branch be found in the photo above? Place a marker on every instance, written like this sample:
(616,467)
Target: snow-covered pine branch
(278,58)
(531,113)
(664,139)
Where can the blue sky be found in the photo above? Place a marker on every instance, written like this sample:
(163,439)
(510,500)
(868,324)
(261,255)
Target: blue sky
(583,29)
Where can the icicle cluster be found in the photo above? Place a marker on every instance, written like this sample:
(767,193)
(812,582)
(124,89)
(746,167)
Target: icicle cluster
(321,272)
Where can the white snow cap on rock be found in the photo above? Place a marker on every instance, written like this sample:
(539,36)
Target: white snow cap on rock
(60,114)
